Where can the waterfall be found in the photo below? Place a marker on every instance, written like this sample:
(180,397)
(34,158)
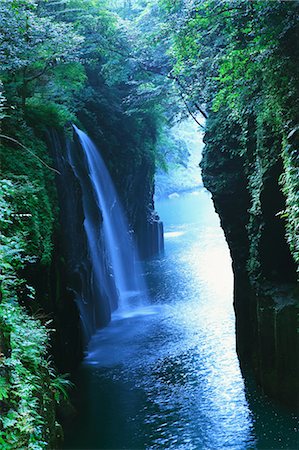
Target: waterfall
(118,242)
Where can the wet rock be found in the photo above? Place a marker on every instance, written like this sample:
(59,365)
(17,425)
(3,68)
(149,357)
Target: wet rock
(247,195)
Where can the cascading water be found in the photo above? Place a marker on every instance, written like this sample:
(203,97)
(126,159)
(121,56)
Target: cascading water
(119,245)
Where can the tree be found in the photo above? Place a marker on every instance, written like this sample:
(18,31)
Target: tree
(32,47)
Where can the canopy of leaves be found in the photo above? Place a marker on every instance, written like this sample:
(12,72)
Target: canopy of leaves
(239,60)
(235,53)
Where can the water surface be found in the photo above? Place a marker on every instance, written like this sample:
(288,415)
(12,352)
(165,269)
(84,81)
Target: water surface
(165,375)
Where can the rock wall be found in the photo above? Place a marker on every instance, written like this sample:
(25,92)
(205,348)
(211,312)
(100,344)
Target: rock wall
(150,235)
(246,185)
(93,297)
(64,285)
(69,291)
(127,143)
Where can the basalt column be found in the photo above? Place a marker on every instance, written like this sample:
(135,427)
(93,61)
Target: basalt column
(247,194)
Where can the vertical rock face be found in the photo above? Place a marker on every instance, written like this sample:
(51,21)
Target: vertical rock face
(248,197)
(150,235)
(138,198)
(133,177)
(79,299)
(127,144)
(93,294)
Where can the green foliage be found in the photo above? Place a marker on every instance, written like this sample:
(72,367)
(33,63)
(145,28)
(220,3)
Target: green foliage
(56,50)
(29,385)
(33,46)
(32,198)
(232,53)
(4,389)
(240,60)
(44,114)
(290,184)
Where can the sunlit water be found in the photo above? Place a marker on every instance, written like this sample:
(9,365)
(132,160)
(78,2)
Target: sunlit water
(166,375)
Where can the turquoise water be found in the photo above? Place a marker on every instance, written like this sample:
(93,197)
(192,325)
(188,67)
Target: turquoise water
(165,374)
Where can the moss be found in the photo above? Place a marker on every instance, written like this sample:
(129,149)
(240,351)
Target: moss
(34,194)
(29,386)
(290,185)
(42,114)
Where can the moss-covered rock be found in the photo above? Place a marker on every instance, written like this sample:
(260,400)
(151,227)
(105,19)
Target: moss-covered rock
(29,385)
(251,172)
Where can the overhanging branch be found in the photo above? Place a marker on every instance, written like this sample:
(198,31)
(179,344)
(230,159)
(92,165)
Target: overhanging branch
(8,138)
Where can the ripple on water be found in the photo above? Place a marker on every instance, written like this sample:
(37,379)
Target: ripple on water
(166,375)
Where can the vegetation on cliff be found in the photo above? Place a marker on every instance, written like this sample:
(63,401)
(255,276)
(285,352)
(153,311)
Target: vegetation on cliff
(121,70)
(240,61)
(29,385)
(61,62)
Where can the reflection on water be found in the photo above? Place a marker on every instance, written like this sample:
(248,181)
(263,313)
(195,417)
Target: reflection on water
(165,375)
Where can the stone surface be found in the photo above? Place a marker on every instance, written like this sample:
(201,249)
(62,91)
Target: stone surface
(265,284)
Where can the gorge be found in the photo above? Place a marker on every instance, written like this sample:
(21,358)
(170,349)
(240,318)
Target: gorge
(165,374)
(105,108)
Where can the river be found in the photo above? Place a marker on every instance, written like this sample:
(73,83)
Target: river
(165,374)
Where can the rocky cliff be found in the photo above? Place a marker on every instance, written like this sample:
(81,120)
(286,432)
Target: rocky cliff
(253,178)
(84,300)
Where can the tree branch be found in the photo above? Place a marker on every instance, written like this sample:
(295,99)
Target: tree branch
(8,138)
(34,77)
(191,113)
(215,14)
(176,78)
(169,75)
